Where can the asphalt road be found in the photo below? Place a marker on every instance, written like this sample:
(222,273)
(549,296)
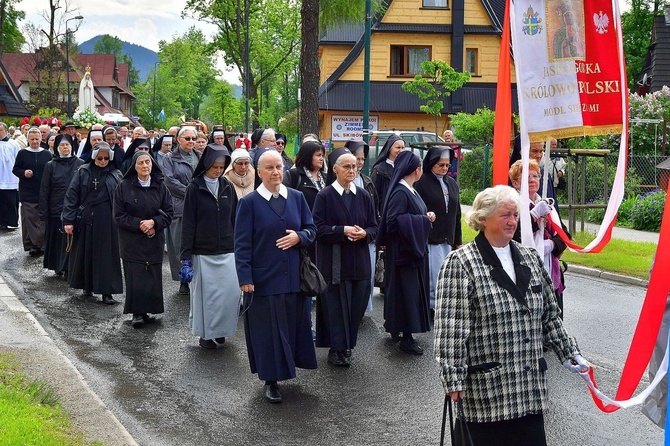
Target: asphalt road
(166,390)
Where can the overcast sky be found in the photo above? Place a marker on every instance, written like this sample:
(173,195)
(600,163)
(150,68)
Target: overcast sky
(141,22)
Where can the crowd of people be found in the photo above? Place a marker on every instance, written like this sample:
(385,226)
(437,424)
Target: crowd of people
(237,223)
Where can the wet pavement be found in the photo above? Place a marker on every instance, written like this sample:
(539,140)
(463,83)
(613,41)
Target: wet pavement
(166,390)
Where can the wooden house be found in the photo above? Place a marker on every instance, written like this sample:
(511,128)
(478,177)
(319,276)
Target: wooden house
(464,33)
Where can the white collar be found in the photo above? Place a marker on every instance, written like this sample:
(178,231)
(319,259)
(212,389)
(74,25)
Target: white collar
(388,161)
(265,193)
(404,183)
(37,150)
(340,190)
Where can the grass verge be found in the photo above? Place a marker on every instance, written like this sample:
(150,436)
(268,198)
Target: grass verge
(619,256)
(30,413)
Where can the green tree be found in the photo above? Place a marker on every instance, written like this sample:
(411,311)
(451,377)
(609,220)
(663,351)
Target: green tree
(436,82)
(221,107)
(11,38)
(636,25)
(113,45)
(476,128)
(274,36)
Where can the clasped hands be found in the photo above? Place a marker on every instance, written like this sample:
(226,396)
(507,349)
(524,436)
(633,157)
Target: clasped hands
(354,233)
(147,226)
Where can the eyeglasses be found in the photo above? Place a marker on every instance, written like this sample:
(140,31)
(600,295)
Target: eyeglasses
(105,158)
(533,177)
(348,166)
(280,143)
(188,138)
(447,165)
(242,163)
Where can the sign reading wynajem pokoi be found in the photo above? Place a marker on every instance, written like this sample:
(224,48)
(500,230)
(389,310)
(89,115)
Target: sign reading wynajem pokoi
(568,71)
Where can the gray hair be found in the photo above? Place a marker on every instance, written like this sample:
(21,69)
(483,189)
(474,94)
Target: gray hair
(3,126)
(487,203)
(185,129)
(341,157)
(34,130)
(265,155)
(267,134)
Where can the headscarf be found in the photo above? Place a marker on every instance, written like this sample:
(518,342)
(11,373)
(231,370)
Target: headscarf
(212,154)
(226,143)
(156,174)
(406,163)
(236,155)
(384,154)
(58,140)
(332,159)
(256,137)
(136,144)
(281,137)
(358,146)
(434,155)
(87,144)
(98,147)
(159,143)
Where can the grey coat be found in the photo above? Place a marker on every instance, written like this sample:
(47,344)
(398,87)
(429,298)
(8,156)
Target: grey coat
(178,174)
(489,331)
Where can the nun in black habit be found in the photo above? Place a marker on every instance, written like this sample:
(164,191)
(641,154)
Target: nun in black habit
(142,209)
(94,265)
(57,176)
(219,137)
(345,224)
(138,145)
(382,170)
(441,194)
(403,229)
(95,136)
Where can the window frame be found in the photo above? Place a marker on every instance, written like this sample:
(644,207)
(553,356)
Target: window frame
(424,6)
(405,59)
(475,73)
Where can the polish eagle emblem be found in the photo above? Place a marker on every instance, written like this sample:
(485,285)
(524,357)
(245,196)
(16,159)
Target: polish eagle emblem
(601,21)
(531,22)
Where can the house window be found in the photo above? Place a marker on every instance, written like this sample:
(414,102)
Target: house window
(434,3)
(406,60)
(472,60)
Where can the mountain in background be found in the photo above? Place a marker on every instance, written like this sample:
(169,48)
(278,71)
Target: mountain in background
(143,58)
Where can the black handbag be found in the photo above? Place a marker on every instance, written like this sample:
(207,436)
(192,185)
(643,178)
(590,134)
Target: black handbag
(466,439)
(311,280)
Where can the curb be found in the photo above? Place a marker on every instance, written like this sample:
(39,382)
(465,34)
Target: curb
(49,352)
(605,275)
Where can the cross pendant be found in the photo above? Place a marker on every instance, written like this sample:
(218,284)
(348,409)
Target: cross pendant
(95,183)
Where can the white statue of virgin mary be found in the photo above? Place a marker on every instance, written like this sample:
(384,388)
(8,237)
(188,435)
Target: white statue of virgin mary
(86,95)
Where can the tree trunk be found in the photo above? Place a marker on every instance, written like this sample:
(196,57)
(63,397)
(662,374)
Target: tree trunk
(309,67)
(3,4)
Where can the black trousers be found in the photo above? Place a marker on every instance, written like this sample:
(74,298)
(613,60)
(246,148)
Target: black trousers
(524,431)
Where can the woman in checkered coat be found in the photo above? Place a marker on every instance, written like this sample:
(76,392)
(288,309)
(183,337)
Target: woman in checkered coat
(495,312)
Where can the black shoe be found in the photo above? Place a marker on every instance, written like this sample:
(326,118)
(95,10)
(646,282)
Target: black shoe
(338,359)
(409,345)
(86,295)
(107,299)
(59,273)
(207,344)
(138,321)
(220,340)
(272,394)
(148,319)
(347,353)
(184,289)
(395,337)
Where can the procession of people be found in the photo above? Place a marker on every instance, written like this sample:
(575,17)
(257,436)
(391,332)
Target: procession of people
(238,226)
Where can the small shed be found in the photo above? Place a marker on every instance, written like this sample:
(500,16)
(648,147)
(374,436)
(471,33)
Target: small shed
(664,168)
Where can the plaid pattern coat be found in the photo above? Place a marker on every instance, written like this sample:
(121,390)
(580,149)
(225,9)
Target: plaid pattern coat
(489,331)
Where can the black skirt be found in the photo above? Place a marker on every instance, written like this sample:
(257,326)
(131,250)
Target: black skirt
(339,311)
(9,207)
(524,431)
(55,257)
(144,288)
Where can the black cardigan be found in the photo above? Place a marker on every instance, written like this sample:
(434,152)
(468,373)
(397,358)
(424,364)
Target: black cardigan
(445,228)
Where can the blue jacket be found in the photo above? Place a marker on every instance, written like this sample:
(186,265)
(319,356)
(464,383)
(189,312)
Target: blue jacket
(257,229)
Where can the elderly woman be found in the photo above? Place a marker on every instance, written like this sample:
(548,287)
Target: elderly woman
(241,173)
(142,209)
(28,168)
(51,139)
(56,178)
(403,229)
(281,148)
(138,145)
(219,137)
(552,243)
(162,150)
(382,170)
(207,247)
(178,171)
(495,312)
(345,222)
(440,193)
(94,264)
(273,223)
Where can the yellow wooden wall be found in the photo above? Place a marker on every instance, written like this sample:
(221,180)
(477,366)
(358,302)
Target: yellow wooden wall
(387,121)
(410,11)
(331,57)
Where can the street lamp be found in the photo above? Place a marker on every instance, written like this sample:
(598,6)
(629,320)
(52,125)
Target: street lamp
(67,62)
(153,101)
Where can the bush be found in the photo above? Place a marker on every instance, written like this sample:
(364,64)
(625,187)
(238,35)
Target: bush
(624,218)
(468,195)
(470,169)
(647,212)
